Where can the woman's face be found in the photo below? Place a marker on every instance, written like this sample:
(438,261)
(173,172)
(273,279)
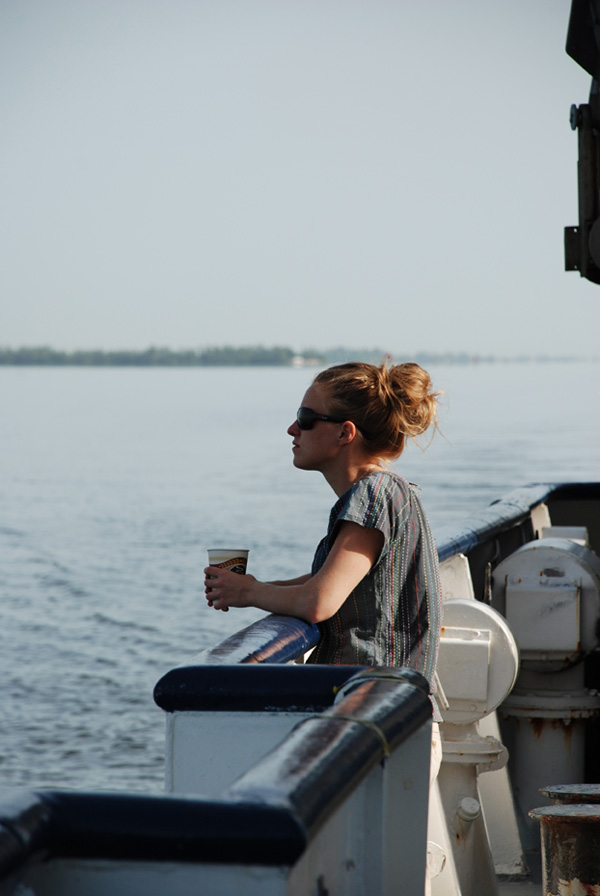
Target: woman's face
(315,448)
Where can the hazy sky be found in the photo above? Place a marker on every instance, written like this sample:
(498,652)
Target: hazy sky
(309,173)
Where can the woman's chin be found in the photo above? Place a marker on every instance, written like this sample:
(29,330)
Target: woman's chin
(298,462)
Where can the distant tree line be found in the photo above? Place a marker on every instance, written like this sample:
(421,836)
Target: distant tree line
(229,356)
(226,356)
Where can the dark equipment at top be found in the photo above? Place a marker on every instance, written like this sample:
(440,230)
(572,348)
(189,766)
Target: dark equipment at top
(582,243)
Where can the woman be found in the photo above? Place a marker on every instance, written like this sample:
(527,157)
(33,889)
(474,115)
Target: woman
(374,586)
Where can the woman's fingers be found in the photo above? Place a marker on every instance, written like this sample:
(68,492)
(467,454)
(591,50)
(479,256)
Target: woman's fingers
(212,581)
(223,588)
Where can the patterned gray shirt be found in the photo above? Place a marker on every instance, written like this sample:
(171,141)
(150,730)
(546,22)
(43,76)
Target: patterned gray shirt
(393,616)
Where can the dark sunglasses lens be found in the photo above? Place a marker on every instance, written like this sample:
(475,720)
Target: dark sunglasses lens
(305,418)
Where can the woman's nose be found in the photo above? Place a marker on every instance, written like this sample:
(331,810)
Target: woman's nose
(293,429)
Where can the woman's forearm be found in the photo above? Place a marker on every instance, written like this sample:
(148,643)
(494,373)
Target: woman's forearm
(299,580)
(225,589)
(286,599)
(300,599)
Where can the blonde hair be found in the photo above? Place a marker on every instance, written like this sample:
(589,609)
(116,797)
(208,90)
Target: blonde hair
(386,403)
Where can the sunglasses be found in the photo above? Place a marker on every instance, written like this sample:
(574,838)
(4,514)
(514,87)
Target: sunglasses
(306,418)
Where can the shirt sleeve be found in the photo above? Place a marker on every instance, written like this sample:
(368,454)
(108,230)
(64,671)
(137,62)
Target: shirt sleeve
(378,502)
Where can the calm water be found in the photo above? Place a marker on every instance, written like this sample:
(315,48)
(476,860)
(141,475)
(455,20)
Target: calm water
(114,483)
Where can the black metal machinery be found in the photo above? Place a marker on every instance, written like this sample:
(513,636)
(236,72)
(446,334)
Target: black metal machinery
(582,243)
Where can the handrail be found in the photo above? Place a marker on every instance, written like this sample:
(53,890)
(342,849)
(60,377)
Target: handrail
(499,516)
(505,513)
(251,688)
(137,827)
(283,639)
(266,818)
(274,639)
(325,756)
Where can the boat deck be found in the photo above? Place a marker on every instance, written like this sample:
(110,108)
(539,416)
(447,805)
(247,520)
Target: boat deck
(519,888)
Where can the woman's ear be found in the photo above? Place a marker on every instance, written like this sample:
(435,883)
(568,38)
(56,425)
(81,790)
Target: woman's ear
(347,432)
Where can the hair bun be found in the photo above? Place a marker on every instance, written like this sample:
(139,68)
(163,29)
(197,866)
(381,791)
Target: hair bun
(387,403)
(417,402)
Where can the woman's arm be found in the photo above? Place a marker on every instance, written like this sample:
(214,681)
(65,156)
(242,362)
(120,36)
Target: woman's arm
(299,580)
(283,583)
(313,598)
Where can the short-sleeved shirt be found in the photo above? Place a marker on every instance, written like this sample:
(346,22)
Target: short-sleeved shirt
(393,616)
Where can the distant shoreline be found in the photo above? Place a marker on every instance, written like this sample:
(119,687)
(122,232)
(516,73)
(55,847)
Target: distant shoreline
(248,356)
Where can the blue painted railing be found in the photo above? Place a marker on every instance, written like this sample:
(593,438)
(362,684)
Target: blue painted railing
(267,817)
(284,639)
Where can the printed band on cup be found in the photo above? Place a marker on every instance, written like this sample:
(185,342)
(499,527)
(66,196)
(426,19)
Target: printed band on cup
(233,559)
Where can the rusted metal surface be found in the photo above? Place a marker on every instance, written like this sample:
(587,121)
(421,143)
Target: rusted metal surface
(467,811)
(572,793)
(564,727)
(570,837)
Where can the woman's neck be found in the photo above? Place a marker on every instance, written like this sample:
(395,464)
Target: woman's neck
(341,480)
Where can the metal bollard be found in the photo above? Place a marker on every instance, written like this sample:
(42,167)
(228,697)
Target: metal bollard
(570,837)
(559,794)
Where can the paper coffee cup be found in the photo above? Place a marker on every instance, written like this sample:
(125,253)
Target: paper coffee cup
(234,559)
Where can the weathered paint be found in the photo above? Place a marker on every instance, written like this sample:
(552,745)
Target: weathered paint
(572,793)
(570,836)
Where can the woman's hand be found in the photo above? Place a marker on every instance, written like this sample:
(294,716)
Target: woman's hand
(226,589)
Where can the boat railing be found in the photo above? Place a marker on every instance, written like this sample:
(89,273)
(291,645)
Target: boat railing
(251,680)
(284,639)
(281,777)
(468,555)
(297,815)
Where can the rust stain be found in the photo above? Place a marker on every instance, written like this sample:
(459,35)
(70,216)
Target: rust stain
(538,727)
(563,725)
(567,730)
(576,888)
(461,841)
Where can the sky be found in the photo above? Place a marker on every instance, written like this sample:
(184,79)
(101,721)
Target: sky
(306,173)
